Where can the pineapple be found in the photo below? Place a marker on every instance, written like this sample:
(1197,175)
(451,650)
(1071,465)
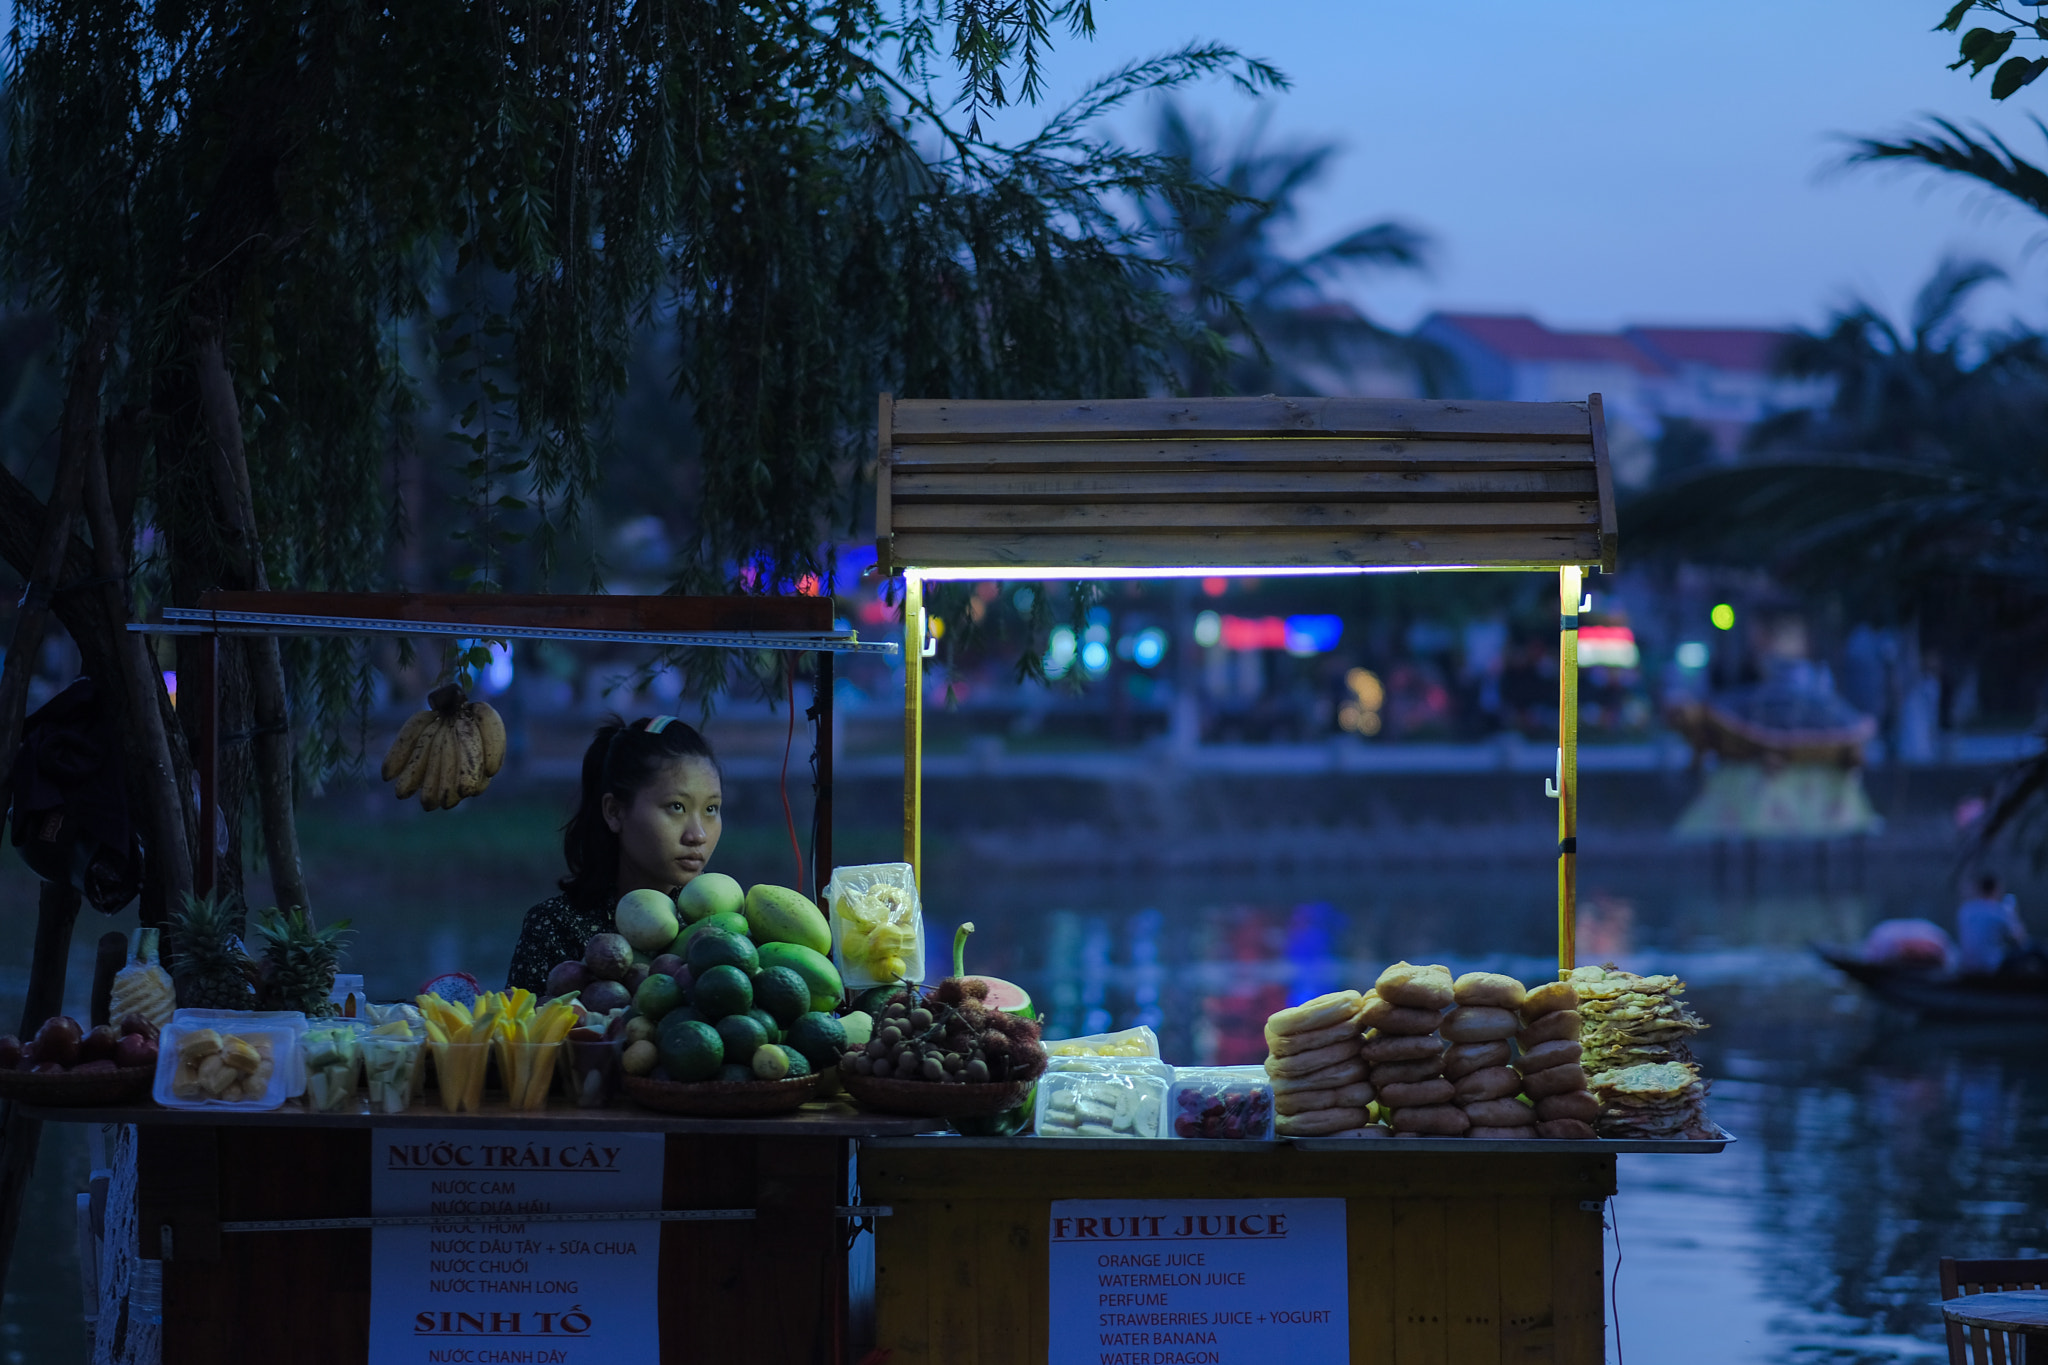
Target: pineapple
(143,987)
(208,965)
(297,968)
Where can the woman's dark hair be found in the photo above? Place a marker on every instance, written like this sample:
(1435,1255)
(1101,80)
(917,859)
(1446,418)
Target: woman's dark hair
(620,761)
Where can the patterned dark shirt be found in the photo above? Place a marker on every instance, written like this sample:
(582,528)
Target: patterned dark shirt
(554,932)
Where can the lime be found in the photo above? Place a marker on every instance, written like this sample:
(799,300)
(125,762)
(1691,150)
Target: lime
(722,990)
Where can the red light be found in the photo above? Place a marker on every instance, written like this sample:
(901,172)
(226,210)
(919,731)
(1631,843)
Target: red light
(1254,632)
(1215,587)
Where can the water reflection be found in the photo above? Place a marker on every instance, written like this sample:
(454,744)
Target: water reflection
(1868,1147)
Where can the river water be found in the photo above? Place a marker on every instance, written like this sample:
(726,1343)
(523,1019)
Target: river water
(1867,1146)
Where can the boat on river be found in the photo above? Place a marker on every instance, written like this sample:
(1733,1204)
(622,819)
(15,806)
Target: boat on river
(1937,994)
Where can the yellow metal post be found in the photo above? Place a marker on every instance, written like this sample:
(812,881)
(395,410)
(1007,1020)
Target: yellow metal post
(1567,783)
(913,724)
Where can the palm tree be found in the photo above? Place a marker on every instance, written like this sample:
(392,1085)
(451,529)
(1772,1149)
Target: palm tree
(1271,323)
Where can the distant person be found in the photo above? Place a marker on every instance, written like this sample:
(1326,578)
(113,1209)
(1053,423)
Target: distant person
(1990,936)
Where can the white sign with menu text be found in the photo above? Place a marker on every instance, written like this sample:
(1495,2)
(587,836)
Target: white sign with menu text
(482,1284)
(1198,1282)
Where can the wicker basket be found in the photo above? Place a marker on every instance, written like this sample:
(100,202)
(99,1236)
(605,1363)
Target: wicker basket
(723,1099)
(69,1089)
(935,1099)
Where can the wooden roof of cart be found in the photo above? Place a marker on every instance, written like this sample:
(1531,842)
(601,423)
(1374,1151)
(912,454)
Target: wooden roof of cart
(1131,485)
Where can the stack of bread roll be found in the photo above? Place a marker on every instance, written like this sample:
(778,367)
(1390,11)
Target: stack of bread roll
(1405,1050)
(1483,1085)
(1319,1081)
(1550,1062)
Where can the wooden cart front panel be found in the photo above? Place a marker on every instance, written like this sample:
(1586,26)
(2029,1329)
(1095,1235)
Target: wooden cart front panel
(769,1290)
(1453,1260)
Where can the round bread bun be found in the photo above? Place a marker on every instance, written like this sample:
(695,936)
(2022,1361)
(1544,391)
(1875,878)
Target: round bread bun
(1488,1083)
(1548,997)
(1293,1044)
(1550,1028)
(1318,1013)
(1320,1122)
(1422,988)
(1544,1056)
(1417,1094)
(1463,1059)
(1434,1120)
(1356,1095)
(1388,1017)
(1499,1134)
(1403,1073)
(1488,988)
(1479,1024)
(1329,1078)
(1402,1047)
(1567,1129)
(1558,1080)
(1503,1113)
(1574,1104)
(1302,1063)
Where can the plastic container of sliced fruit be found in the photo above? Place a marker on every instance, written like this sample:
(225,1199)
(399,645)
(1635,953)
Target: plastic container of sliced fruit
(1091,1097)
(224,1061)
(877,920)
(1228,1102)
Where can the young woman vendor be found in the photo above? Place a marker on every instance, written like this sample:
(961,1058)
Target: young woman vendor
(648,816)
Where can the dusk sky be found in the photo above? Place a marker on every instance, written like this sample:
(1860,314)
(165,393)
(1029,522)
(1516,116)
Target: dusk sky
(1597,163)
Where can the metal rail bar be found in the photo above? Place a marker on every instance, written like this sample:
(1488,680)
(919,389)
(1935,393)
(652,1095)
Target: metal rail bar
(199,621)
(417,1220)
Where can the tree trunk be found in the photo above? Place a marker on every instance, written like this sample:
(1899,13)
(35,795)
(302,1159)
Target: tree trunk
(166,816)
(270,704)
(81,422)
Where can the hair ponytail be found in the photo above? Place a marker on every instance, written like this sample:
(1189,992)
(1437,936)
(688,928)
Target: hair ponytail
(620,761)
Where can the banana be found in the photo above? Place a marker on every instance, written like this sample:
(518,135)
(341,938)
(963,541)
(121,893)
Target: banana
(414,774)
(437,788)
(402,747)
(492,727)
(469,757)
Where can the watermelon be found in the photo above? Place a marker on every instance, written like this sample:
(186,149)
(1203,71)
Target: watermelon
(1005,996)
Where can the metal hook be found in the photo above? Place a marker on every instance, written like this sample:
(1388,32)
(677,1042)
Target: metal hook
(1586,605)
(924,633)
(1553,787)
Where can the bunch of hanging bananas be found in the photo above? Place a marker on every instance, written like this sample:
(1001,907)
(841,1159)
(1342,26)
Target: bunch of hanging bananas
(447,753)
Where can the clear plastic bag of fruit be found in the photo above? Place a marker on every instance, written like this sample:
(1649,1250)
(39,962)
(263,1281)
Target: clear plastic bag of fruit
(877,924)
(1228,1102)
(1131,1042)
(1121,1099)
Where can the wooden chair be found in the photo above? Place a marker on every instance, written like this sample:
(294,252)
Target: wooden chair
(1988,1277)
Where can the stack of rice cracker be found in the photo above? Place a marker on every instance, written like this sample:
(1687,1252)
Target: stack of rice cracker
(1319,1081)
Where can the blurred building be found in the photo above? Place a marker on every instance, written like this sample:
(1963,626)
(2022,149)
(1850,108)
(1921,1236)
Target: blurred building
(1718,379)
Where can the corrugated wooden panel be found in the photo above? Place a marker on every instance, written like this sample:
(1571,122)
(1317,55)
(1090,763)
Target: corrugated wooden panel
(1008,487)
(1369,1252)
(1528,1322)
(1297,452)
(1154,418)
(1472,1277)
(903,1252)
(1004,486)
(1578,1265)
(1111,517)
(1016,554)
(1421,1267)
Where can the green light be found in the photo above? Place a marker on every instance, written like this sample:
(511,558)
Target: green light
(1723,616)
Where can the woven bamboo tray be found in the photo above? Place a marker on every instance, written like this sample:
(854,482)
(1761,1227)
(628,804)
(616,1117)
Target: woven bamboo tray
(936,1099)
(70,1089)
(722,1099)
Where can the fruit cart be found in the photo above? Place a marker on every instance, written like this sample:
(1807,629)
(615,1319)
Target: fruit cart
(263,1222)
(1443,1248)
